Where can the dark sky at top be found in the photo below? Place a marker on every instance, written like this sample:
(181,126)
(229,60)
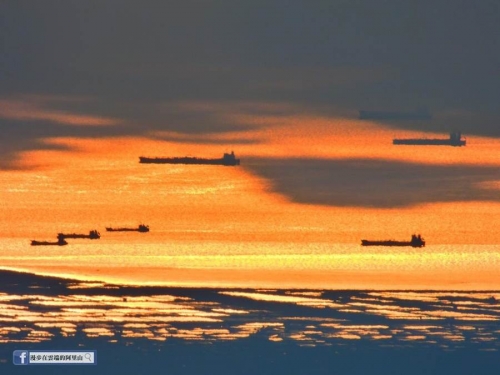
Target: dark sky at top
(128,60)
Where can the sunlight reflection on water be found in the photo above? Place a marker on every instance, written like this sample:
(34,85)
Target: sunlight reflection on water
(443,266)
(306,317)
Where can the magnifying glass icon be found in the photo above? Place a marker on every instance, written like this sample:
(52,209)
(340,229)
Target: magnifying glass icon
(88,357)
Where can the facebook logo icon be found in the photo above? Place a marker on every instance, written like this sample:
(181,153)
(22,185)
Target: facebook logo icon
(21,357)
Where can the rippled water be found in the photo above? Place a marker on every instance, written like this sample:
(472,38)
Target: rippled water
(55,310)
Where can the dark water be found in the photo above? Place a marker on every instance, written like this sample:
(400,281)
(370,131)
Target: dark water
(150,330)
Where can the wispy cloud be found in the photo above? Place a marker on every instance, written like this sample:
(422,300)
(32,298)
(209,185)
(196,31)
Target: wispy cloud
(34,109)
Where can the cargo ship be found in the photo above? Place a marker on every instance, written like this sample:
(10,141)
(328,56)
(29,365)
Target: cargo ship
(455,140)
(93,235)
(226,160)
(416,241)
(418,114)
(141,228)
(60,242)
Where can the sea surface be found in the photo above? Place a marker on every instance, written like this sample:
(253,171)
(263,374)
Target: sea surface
(138,330)
(259,264)
(256,268)
(292,215)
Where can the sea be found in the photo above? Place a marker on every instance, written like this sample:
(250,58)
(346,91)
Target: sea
(179,330)
(255,269)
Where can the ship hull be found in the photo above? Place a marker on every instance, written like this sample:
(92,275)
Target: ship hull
(391,243)
(47,243)
(195,161)
(429,142)
(127,230)
(79,236)
(93,235)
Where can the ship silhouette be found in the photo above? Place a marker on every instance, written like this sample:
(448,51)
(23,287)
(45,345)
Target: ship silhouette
(93,235)
(454,140)
(141,228)
(416,241)
(60,242)
(226,160)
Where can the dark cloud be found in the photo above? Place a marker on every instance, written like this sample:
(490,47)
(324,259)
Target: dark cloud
(374,183)
(444,49)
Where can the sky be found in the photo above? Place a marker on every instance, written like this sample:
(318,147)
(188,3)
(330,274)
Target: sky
(193,70)
(108,68)
(87,87)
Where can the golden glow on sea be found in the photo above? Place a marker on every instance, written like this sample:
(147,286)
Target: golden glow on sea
(228,226)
